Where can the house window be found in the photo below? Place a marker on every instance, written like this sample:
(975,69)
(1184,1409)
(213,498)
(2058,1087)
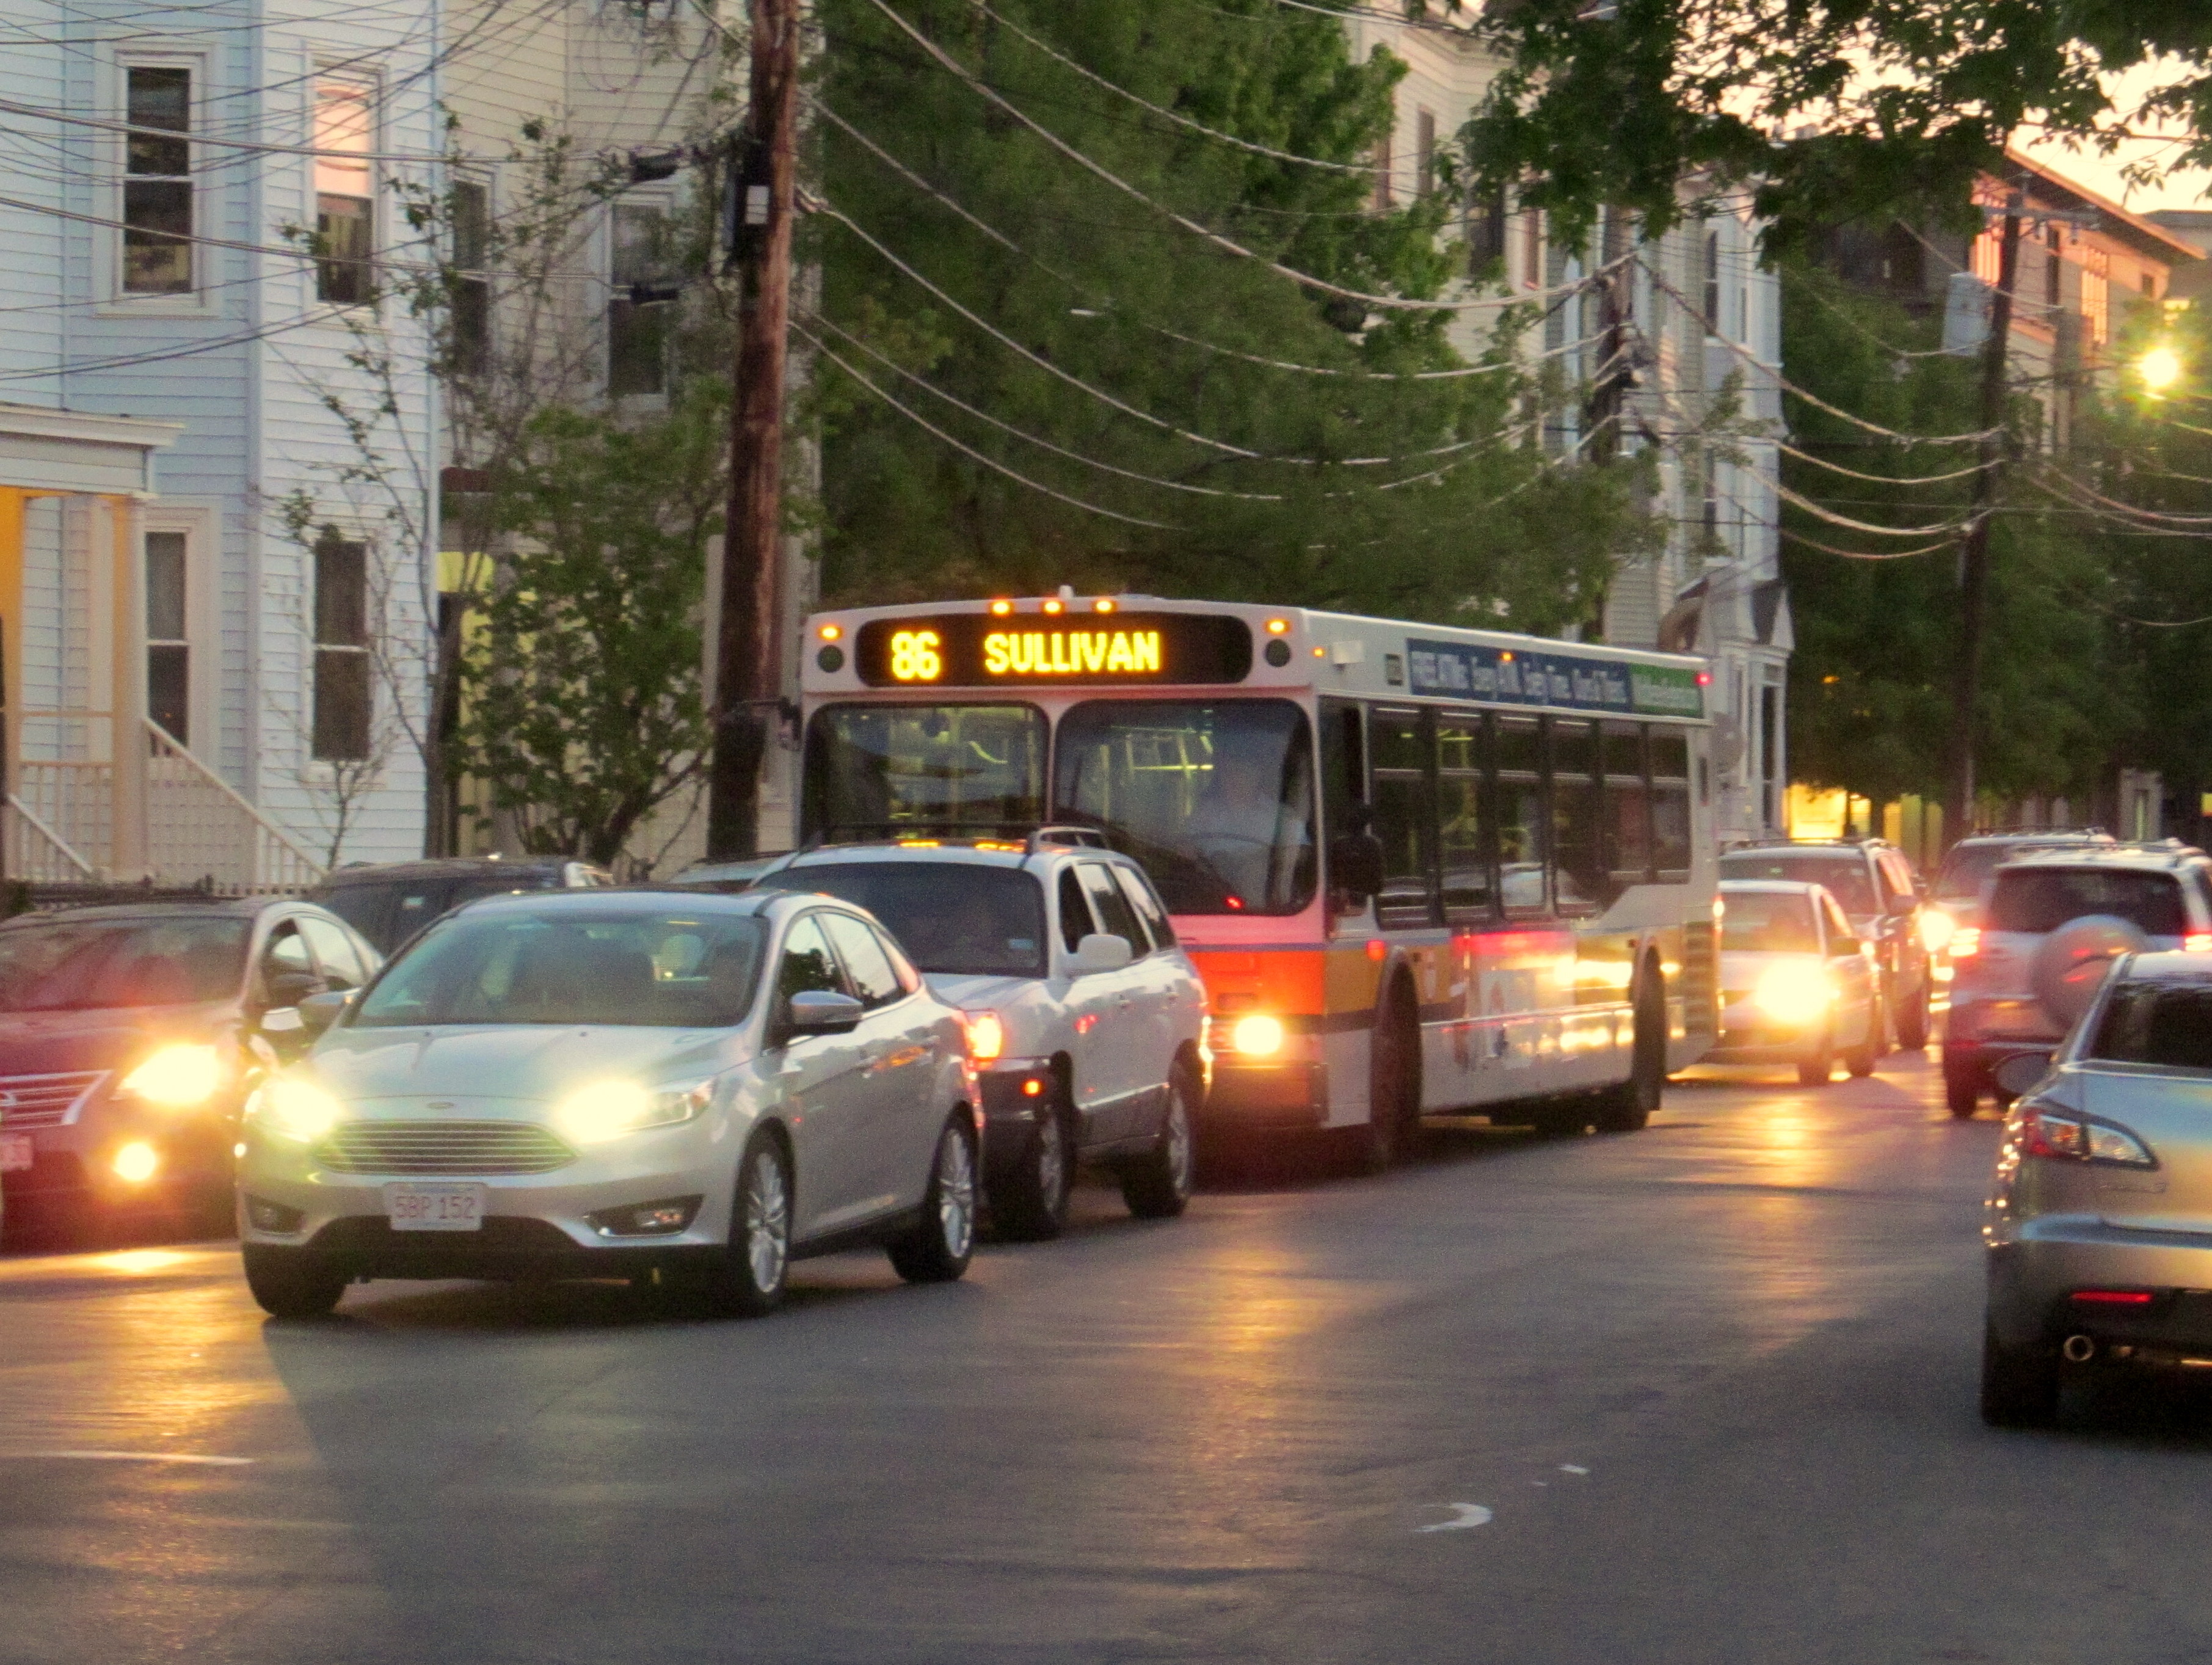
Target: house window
(168,656)
(470,325)
(157,181)
(2096,294)
(345,195)
(1425,152)
(1385,160)
(1988,257)
(638,336)
(1485,233)
(1712,283)
(342,676)
(1532,247)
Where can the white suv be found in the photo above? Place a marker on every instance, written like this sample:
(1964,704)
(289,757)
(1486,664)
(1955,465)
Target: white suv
(2051,922)
(1084,1017)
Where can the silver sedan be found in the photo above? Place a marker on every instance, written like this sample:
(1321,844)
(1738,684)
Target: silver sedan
(688,1091)
(2099,1224)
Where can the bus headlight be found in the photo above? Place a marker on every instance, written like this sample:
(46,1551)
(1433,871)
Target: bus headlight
(1257,1036)
(1795,993)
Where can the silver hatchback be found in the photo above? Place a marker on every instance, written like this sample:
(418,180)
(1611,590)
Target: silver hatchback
(2099,1223)
(681,1090)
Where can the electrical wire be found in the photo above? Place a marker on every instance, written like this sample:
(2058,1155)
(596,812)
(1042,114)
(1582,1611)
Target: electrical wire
(924,423)
(39,114)
(1880,479)
(960,72)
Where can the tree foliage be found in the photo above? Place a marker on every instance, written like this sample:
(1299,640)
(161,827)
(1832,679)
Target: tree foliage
(1476,523)
(1820,109)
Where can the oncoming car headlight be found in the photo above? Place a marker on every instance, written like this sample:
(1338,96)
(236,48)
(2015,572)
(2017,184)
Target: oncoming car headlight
(177,1076)
(1795,993)
(608,1110)
(1936,929)
(294,1109)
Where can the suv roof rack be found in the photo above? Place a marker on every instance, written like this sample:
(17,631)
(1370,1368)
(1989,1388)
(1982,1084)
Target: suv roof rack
(1067,838)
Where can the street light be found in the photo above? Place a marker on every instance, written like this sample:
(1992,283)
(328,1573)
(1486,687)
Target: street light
(2159,368)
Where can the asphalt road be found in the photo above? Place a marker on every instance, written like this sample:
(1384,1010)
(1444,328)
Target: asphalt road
(1704,1394)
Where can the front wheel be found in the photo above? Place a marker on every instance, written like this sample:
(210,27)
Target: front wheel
(1860,1060)
(1157,1186)
(1393,1099)
(938,1248)
(1814,1071)
(1912,1023)
(1029,1203)
(293,1283)
(2019,1385)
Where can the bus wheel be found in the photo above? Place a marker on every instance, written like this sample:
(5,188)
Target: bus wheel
(1627,1107)
(1394,1098)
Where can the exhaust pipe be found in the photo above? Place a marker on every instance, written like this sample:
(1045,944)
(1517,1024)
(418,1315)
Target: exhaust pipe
(2079,1349)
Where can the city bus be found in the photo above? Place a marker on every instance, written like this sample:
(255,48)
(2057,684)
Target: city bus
(1425,872)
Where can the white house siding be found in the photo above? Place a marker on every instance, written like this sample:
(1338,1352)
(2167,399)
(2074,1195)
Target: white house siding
(240,366)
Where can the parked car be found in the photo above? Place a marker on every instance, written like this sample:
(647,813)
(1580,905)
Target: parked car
(1797,986)
(2050,923)
(1085,1018)
(388,902)
(1954,898)
(689,1091)
(130,1037)
(1874,883)
(2100,1220)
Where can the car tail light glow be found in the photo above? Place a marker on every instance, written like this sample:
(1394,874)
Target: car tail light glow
(2046,1133)
(2113,1298)
(2197,942)
(1966,942)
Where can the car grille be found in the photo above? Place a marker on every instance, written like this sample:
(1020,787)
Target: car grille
(45,1101)
(443,1147)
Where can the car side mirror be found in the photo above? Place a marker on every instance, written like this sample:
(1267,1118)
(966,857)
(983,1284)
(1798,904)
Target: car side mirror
(318,1012)
(1101,952)
(289,988)
(2019,1074)
(1355,864)
(820,1011)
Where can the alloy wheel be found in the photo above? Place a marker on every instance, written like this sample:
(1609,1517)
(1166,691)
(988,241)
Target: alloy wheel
(767,1221)
(956,1193)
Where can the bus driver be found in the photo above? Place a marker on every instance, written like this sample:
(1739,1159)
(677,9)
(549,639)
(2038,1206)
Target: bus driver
(1241,822)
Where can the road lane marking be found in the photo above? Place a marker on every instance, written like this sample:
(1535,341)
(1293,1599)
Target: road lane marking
(1470,1514)
(126,1456)
(1572,1468)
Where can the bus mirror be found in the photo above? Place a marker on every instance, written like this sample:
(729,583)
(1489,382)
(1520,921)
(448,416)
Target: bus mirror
(1355,864)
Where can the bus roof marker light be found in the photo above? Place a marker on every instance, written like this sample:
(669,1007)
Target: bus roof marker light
(1104,605)
(1054,606)
(831,632)
(1000,609)
(1277,626)
(1704,679)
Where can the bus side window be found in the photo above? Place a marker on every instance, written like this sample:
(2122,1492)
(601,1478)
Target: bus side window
(1523,822)
(1465,832)
(1578,878)
(1627,807)
(1670,805)
(1343,785)
(1404,816)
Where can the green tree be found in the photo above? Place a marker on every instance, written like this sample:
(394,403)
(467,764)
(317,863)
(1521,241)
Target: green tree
(1479,524)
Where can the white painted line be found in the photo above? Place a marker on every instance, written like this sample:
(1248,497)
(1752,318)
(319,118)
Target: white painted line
(1572,1468)
(130,1456)
(1470,1514)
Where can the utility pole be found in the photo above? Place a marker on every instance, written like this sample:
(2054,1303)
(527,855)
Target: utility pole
(1974,553)
(748,689)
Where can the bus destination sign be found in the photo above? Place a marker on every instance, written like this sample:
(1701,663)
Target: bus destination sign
(982,650)
(1564,681)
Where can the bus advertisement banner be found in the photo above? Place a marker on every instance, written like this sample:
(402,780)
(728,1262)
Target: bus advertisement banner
(1561,681)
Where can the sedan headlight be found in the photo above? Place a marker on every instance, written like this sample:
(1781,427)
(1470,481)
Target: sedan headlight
(608,1110)
(294,1109)
(177,1076)
(1795,993)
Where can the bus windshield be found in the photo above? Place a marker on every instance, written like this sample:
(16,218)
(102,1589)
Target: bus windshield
(873,769)
(1215,800)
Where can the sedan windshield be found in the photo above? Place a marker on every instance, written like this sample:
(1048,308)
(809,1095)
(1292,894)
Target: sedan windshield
(2158,1023)
(972,921)
(1214,801)
(81,966)
(1845,876)
(1768,922)
(660,968)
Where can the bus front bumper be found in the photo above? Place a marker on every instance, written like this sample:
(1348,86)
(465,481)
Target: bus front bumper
(1251,1095)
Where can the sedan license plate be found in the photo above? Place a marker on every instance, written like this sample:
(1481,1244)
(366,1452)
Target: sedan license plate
(434,1207)
(15,1153)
